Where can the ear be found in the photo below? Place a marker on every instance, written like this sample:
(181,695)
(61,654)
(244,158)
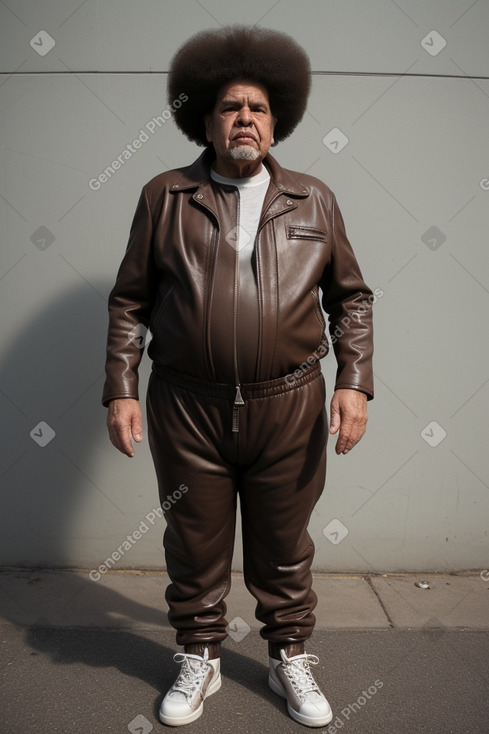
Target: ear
(208,127)
(273,129)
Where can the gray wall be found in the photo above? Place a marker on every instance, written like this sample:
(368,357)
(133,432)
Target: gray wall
(413,184)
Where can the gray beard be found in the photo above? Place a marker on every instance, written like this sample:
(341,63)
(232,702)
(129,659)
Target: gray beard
(244,153)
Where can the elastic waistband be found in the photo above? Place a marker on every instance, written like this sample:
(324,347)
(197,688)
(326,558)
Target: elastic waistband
(249,390)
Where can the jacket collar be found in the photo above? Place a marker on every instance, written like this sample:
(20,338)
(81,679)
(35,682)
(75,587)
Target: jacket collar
(198,174)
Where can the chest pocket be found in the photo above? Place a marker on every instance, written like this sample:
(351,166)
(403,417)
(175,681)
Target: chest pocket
(300,232)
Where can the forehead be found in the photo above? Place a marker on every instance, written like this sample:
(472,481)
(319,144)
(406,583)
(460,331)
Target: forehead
(242,90)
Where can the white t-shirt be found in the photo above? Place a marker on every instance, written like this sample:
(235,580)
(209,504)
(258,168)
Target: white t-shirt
(251,192)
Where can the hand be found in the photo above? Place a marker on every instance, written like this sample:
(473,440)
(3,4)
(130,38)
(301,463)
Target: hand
(349,415)
(124,424)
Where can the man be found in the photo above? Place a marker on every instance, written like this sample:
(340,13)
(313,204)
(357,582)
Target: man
(225,264)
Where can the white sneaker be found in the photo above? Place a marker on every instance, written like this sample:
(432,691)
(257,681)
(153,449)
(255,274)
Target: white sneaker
(293,680)
(198,678)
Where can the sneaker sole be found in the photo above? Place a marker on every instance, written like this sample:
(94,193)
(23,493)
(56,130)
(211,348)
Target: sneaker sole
(305,720)
(182,720)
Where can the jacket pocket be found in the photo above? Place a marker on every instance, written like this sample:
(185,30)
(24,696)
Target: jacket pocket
(299,232)
(162,302)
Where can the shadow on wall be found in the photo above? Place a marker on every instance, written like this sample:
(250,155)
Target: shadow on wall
(51,379)
(54,431)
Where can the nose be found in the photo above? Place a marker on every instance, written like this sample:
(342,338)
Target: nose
(244,117)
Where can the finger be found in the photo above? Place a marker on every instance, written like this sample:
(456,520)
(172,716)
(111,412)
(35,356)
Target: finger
(344,448)
(121,435)
(137,429)
(345,429)
(125,438)
(349,436)
(335,419)
(341,444)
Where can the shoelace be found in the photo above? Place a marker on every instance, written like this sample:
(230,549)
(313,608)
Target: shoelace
(191,674)
(298,672)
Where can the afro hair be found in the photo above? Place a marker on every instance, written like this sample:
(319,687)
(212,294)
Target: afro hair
(212,58)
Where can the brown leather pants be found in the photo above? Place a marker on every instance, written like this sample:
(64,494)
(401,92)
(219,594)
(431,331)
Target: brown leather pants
(277,465)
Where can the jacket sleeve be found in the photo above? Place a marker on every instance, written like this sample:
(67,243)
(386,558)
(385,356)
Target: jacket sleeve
(130,305)
(348,302)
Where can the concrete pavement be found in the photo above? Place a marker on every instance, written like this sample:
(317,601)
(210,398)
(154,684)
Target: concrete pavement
(95,656)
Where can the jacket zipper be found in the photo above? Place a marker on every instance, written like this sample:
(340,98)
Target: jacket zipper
(238,398)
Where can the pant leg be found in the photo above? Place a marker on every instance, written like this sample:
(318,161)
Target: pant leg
(287,434)
(185,434)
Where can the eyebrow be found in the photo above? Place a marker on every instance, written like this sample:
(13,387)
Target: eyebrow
(260,103)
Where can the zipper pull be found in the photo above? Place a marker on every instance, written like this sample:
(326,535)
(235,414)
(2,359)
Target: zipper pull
(238,400)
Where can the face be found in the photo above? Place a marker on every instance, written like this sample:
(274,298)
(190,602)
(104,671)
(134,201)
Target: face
(240,127)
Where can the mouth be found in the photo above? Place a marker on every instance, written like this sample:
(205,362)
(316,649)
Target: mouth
(244,138)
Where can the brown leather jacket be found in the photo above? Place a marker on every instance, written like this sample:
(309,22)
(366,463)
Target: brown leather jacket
(179,279)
